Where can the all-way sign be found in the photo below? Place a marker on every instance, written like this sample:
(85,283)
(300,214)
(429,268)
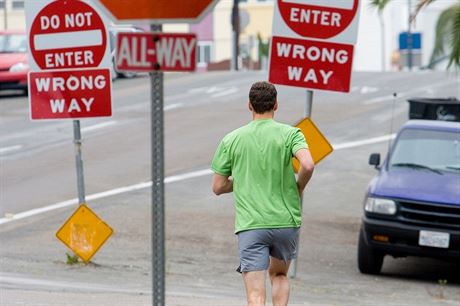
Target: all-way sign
(156,51)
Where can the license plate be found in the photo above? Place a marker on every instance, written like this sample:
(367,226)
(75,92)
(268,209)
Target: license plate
(434,239)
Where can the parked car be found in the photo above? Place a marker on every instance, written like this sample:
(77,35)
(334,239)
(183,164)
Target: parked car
(412,206)
(14,64)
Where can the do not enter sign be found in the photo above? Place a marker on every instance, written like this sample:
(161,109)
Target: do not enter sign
(67,34)
(69,60)
(312,43)
(332,20)
(318,19)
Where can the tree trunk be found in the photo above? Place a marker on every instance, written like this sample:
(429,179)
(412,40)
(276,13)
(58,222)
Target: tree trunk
(382,41)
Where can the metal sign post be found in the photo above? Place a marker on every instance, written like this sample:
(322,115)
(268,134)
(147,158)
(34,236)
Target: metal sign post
(235,35)
(79,161)
(5,15)
(409,36)
(308,104)
(307,114)
(158,205)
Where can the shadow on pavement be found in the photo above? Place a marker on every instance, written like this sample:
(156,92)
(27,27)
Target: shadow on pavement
(422,269)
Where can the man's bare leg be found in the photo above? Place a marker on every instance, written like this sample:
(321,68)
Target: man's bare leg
(280,284)
(255,287)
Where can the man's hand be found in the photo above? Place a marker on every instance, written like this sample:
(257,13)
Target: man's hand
(306,169)
(221,184)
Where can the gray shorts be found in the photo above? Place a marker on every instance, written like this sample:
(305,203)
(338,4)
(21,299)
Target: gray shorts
(256,247)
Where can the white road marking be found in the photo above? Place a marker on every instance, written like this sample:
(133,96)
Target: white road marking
(104,194)
(429,87)
(354,88)
(23,282)
(186,176)
(227,92)
(169,179)
(215,91)
(9,149)
(363,142)
(386,117)
(97,126)
(172,106)
(368,89)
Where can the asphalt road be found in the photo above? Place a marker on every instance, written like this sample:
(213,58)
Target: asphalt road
(37,158)
(37,169)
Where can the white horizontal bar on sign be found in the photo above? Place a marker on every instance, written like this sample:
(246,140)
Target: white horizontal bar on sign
(66,40)
(342,4)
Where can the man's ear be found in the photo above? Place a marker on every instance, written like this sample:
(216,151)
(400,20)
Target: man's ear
(276,106)
(250,107)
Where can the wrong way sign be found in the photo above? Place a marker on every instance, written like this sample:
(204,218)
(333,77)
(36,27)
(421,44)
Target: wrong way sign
(312,43)
(69,57)
(156,51)
(70,94)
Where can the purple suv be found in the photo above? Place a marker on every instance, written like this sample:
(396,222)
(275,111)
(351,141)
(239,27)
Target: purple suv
(412,207)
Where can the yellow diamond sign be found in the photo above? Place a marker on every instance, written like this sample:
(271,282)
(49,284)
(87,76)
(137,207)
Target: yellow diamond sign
(318,145)
(84,233)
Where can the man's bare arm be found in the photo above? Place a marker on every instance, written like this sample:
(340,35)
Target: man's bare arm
(221,184)
(306,168)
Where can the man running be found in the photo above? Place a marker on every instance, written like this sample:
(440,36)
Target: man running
(254,161)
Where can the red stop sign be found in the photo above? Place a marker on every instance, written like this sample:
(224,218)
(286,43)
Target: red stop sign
(67,34)
(314,20)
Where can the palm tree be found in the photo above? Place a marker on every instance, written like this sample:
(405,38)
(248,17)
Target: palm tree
(447,41)
(380,5)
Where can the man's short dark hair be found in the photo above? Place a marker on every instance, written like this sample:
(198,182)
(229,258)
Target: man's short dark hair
(262,97)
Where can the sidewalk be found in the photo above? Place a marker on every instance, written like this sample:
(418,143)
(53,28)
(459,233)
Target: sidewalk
(33,269)
(201,257)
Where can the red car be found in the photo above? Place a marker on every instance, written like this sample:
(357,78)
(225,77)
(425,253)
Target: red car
(14,65)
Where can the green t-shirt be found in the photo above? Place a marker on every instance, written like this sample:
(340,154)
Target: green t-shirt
(258,157)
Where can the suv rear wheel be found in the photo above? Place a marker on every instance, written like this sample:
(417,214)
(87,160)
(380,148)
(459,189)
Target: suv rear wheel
(370,261)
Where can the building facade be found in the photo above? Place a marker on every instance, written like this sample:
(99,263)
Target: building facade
(12,14)
(215,36)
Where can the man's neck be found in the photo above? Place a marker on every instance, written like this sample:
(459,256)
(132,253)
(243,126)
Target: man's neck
(267,115)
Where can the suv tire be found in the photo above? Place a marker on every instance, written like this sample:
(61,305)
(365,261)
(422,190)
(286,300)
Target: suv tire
(370,261)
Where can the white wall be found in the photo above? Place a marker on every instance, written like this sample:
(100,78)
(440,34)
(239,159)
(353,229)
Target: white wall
(223,30)
(15,18)
(368,48)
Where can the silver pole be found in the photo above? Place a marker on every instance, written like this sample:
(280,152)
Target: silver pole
(409,35)
(234,59)
(308,104)
(5,14)
(307,114)
(79,161)
(158,205)
(235,35)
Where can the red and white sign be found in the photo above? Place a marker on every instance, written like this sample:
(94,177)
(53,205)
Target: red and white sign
(157,11)
(66,34)
(334,20)
(311,64)
(68,41)
(324,61)
(70,94)
(321,19)
(156,51)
